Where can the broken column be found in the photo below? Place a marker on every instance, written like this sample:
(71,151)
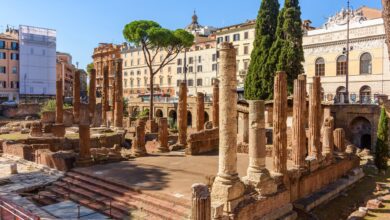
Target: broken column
(199,111)
(280,124)
(327,138)
(201,203)
(314,118)
(163,134)
(84,158)
(118,120)
(257,175)
(139,141)
(299,122)
(227,188)
(105,96)
(76,97)
(92,94)
(215,105)
(339,141)
(36,129)
(182,116)
(58,129)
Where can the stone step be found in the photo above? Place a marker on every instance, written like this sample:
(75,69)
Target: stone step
(121,200)
(46,198)
(166,202)
(99,207)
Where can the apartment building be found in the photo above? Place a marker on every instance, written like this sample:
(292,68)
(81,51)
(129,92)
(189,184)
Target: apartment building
(65,70)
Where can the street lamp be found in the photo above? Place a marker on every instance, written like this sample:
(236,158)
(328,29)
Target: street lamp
(346,51)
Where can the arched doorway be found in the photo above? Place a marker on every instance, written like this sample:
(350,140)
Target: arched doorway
(172,119)
(365,95)
(159,113)
(189,119)
(206,117)
(360,129)
(340,94)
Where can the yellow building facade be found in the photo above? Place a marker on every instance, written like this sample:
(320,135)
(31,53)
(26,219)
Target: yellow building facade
(368,68)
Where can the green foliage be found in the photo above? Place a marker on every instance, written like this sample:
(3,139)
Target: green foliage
(382,144)
(50,106)
(172,123)
(259,80)
(142,114)
(288,45)
(89,68)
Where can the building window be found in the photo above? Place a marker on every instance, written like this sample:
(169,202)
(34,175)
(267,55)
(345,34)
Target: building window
(219,40)
(125,83)
(237,50)
(3,56)
(190,69)
(125,73)
(14,69)
(138,72)
(2,44)
(178,61)
(17,84)
(12,85)
(169,81)
(246,50)
(199,59)
(246,35)
(179,70)
(178,82)
(145,81)
(131,62)
(14,46)
(236,37)
(131,83)
(138,61)
(341,65)
(14,56)
(5,84)
(31,50)
(214,67)
(246,64)
(227,38)
(199,82)
(365,95)
(200,69)
(138,82)
(161,81)
(169,69)
(366,64)
(320,67)
(43,52)
(131,73)
(190,60)
(125,63)
(190,82)
(214,57)
(145,71)
(2,69)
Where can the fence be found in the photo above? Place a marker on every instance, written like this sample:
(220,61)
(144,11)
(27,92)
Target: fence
(353,99)
(10,211)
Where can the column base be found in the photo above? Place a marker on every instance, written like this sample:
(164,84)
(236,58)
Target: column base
(163,150)
(228,190)
(261,181)
(84,162)
(312,163)
(58,130)
(139,153)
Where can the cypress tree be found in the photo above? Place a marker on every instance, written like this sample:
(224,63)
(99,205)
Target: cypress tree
(382,148)
(257,83)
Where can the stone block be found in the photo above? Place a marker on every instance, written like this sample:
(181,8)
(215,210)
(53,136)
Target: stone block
(58,130)
(14,168)
(374,204)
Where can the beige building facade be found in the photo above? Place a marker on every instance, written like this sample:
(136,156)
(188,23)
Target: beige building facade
(325,56)
(9,65)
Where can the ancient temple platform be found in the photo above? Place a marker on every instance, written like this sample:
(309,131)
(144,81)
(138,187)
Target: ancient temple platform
(172,173)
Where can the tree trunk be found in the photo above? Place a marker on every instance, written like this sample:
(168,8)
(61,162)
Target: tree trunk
(386,19)
(151,96)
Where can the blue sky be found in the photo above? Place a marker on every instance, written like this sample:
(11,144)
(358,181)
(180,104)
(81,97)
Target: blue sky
(82,24)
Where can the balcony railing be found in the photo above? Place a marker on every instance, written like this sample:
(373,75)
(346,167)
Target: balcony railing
(353,99)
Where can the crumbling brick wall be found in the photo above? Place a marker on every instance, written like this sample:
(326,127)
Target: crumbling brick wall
(203,141)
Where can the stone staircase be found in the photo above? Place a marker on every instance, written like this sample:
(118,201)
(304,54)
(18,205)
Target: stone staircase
(114,199)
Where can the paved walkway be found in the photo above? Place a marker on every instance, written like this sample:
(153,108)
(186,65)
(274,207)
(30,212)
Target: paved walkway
(172,173)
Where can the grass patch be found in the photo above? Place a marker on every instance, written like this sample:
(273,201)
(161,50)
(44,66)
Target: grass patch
(13,136)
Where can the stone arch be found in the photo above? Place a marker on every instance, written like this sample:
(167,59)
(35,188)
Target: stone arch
(340,94)
(360,129)
(159,113)
(172,118)
(365,94)
(206,117)
(189,119)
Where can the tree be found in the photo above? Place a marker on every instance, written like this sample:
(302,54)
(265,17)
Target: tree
(89,68)
(382,148)
(286,53)
(386,19)
(154,40)
(257,82)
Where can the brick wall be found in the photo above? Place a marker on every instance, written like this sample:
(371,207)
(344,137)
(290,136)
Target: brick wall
(203,141)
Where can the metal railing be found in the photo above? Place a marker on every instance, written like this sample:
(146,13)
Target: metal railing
(353,99)
(9,210)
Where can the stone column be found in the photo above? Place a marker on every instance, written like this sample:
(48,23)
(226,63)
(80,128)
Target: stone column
(182,116)
(118,94)
(163,134)
(280,124)
(58,129)
(201,203)
(76,97)
(216,105)
(327,138)
(339,140)
(270,116)
(243,127)
(199,111)
(315,118)
(84,158)
(227,187)
(36,129)
(299,122)
(105,96)
(92,94)
(139,142)
(257,174)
